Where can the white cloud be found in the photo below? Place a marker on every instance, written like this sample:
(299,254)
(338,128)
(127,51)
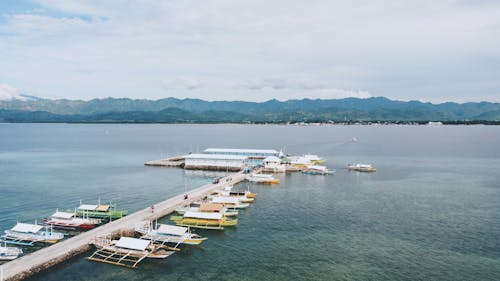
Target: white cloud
(430,50)
(8,92)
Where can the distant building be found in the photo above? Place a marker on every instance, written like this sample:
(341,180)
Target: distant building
(255,156)
(218,162)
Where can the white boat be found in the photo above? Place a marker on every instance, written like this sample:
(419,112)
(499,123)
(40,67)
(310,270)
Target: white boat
(209,207)
(127,251)
(314,159)
(317,170)
(28,234)
(242,197)
(361,167)
(68,220)
(9,253)
(229,202)
(165,233)
(263,178)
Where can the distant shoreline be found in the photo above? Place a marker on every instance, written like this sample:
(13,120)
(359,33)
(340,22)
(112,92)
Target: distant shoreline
(333,123)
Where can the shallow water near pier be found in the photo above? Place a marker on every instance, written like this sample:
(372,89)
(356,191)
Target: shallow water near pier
(430,212)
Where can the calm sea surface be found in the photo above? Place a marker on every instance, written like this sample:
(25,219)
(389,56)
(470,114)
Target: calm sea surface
(430,212)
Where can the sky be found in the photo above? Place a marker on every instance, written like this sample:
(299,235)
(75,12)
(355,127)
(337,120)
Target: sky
(427,50)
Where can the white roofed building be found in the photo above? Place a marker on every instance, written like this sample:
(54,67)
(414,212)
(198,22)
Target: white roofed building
(218,162)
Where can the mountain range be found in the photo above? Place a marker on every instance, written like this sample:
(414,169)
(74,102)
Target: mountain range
(173,110)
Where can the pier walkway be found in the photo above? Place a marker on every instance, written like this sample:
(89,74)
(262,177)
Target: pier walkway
(44,258)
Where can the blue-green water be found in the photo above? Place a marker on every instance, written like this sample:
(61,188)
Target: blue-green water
(430,212)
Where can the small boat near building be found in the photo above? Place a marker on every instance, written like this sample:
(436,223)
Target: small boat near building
(361,168)
(317,170)
(263,178)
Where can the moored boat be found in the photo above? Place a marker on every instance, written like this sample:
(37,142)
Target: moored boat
(9,253)
(263,178)
(68,220)
(229,202)
(127,251)
(317,170)
(361,167)
(165,233)
(209,207)
(28,234)
(204,220)
(100,211)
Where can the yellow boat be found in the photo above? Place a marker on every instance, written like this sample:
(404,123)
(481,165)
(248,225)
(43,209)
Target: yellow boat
(204,220)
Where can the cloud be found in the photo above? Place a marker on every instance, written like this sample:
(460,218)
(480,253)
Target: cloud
(182,83)
(430,50)
(8,92)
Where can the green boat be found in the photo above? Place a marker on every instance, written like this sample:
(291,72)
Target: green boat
(100,211)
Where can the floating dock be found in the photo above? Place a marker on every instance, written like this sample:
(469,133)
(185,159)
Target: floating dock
(44,258)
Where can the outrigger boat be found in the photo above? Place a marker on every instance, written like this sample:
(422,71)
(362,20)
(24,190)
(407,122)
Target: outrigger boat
(204,220)
(209,207)
(244,196)
(29,234)
(262,178)
(127,251)
(9,253)
(314,159)
(317,170)
(361,167)
(164,233)
(71,221)
(229,202)
(100,211)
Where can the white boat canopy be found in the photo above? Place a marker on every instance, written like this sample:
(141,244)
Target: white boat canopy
(132,243)
(172,229)
(27,227)
(87,207)
(319,168)
(225,200)
(202,215)
(62,215)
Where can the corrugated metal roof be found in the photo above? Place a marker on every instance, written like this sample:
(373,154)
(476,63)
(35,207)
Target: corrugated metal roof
(132,243)
(237,150)
(225,200)
(202,215)
(27,227)
(87,207)
(172,229)
(63,215)
(215,157)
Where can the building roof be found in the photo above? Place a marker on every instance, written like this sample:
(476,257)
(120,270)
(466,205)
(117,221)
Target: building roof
(27,227)
(62,215)
(243,151)
(203,215)
(132,243)
(215,156)
(172,229)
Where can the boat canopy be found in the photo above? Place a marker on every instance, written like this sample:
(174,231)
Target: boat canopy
(87,207)
(272,159)
(226,200)
(132,243)
(27,227)
(62,215)
(103,208)
(172,229)
(211,207)
(203,215)
(319,168)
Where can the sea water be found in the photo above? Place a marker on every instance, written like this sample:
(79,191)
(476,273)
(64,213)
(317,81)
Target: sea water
(430,212)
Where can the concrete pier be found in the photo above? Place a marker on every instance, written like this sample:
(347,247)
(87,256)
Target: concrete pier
(168,162)
(44,258)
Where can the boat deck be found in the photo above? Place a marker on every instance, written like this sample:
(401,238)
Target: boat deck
(42,259)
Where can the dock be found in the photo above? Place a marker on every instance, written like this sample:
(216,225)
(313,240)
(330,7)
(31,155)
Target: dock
(44,258)
(177,161)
